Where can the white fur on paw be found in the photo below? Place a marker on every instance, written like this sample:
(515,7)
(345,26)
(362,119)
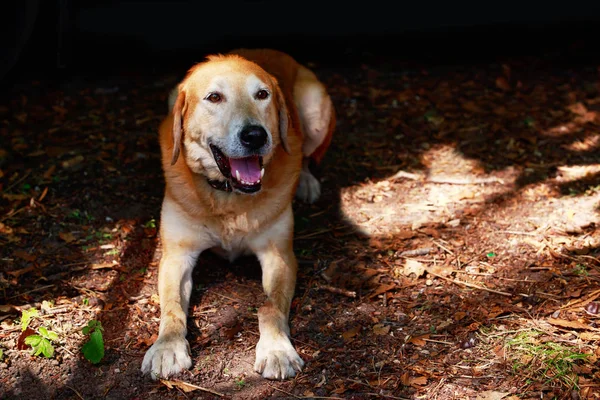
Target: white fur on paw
(276,358)
(167,356)
(309,188)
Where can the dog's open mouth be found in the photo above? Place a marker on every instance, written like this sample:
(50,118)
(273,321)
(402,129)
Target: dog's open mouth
(245,174)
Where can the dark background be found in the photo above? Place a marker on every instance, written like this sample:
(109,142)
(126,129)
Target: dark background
(63,37)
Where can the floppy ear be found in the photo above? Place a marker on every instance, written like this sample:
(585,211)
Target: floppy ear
(284,120)
(177,125)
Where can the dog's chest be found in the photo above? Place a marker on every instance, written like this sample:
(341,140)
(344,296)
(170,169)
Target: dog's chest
(232,232)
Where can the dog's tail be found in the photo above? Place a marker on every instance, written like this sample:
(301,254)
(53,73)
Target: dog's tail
(173,97)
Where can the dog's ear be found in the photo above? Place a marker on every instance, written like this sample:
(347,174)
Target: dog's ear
(284,119)
(177,125)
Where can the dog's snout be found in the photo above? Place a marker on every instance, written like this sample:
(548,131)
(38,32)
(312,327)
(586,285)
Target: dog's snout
(253,137)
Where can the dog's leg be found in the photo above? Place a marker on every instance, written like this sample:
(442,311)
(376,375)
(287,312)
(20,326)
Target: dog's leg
(316,113)
(276,358)
(309,187)
(170,354)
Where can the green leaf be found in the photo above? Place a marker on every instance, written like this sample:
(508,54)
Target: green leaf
(46,348)
(26,316)
(33,340)
(491,254)
(1,354)
(93,350)
(52,336)
(43,331)
(40,345)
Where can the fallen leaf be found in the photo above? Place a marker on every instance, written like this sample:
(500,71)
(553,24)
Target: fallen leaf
(405,234)
(187,387)
(459,315)
(418,381)
(11,197)
(440,270)
(382,289)
(413,267)
(21,340)
(71,162)
(431,232)
(22,254)
(502,83)
(419,340)
(381,329)
(67,237)
(350,333)
(589,336)
(491,395)
(21,271)
(8,309)
(569,324)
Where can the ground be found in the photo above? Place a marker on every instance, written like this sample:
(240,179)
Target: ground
(452,255)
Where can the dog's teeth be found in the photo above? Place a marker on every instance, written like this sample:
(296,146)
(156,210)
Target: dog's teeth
(237,174)
(258,181)
(262,173)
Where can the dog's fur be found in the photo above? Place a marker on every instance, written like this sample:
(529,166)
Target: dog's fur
(297,120)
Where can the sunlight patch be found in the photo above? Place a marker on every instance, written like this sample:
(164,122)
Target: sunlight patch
(569,173)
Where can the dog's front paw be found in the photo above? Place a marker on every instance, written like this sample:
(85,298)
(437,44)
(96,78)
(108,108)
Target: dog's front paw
(309,188)
(276,358)
(167,356)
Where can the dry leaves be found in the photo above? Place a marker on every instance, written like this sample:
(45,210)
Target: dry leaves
(563,323)
(187,387)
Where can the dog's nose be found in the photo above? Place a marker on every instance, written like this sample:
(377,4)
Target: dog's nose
(253,137)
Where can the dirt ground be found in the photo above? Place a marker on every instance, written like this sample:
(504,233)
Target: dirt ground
(452,255)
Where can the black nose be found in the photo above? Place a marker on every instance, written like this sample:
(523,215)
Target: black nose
(253,137)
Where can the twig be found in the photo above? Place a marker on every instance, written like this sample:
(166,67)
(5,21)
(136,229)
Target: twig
(15,183)
(471,285)
(31,291)
(443,247)
(445,179)
(332,289)
(75,391)
(309,235)
(417,252)
(520,233)
(582,302)
(174,383)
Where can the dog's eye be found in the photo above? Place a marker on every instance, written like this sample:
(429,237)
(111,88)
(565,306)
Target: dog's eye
(262,94)
(214,97)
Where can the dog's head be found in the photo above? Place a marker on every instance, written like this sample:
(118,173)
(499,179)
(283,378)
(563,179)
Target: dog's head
(229,117)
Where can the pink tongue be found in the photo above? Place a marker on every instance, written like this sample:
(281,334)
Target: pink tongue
(248,168)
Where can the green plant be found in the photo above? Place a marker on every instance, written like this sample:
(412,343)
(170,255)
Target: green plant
(93,350)
(42,343)
(240,382)
(530,352)
(27,316)
(150,224)
(580,269)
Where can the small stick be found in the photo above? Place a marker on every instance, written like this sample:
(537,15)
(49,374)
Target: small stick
(173,383)
(76,392)
(445,179)
(31,291)
(417,252)
(332,289)
(309,235)
(443,247)
(471,285)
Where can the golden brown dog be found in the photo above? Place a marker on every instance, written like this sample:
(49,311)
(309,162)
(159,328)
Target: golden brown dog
(235,149)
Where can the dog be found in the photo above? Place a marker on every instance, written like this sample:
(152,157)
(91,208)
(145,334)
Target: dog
(236,146)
